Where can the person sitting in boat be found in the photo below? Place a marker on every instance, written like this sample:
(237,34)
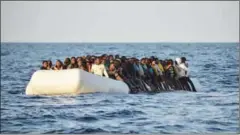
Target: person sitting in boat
(49,67)
(73,63)
(58,65)
(44,65)
(99,69)
(117,62)
(67,62)
(140,71)
(88,65)
(82,64)
(112,72)
(106,61)
(159,63)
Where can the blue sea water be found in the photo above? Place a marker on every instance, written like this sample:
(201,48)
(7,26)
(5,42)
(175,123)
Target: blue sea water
(213,109)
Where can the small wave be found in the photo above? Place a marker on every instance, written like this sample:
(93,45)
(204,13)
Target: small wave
(87,118)
(105,101)
(123,113)
(88,131)
(5,53)
(226,104)
(209,66)
(48,116)
(215,129)
(15,92)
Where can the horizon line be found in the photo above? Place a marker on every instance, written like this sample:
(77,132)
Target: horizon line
(114,42)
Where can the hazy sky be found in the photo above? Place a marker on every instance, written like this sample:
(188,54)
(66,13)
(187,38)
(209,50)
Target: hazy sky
(120,21)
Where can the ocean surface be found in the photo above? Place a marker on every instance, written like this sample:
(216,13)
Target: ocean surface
(213,109)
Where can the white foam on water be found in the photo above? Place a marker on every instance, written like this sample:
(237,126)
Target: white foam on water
(196,83)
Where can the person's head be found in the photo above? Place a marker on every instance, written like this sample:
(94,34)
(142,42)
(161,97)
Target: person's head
(79,59)
(153,62)
(102,60)
(110,57)
(123,59)
(183,59)
(44,64)
(88,63)
(104,56)
(147,61)
(142,61)
(59,63)
(49,62)
(112,67)
(152,57)
(117,56)
(169,62)
(137,61)
(97,61)
(67,61)
(131,60)
(73,60)
(79,62)
(160,61)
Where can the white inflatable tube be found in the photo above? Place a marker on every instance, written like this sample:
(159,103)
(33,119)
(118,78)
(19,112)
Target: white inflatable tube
(71,81)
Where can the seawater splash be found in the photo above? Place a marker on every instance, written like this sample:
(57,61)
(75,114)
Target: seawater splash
(196,84)
(213,109)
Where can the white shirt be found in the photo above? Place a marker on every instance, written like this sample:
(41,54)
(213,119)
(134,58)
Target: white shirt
(183,70)
(99,70)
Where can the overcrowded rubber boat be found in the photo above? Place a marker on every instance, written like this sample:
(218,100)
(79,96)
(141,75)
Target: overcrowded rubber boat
(71,81)
(90,74)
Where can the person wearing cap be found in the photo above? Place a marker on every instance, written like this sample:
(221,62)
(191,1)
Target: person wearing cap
(184,75)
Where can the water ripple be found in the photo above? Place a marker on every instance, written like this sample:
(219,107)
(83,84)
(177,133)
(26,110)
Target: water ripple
(214,108)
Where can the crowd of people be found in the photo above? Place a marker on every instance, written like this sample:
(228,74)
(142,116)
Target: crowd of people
(144,75)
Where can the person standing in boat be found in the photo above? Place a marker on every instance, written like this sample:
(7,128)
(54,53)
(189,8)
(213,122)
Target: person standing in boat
(184,74)
(98,68)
